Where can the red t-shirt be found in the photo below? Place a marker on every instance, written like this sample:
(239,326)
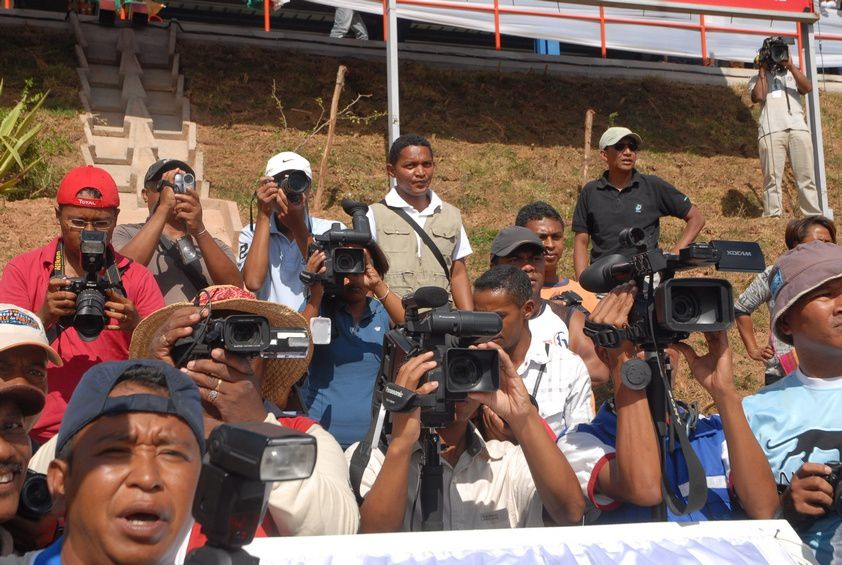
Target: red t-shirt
(24,283)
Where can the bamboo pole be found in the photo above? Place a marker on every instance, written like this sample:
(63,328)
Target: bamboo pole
(589,114)
(334,109)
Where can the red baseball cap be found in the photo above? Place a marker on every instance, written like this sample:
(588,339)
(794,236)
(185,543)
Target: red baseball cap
(88,176)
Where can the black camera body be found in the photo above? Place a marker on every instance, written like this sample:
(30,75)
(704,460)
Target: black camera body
(774,53)
(293,183)
(35,500)
(340,259)
(244,334)
(446,332)
(677,306)
(90,318)
(833,479)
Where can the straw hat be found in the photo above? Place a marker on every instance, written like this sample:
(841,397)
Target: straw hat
(279,374)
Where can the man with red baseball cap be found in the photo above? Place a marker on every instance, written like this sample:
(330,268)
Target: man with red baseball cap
(88,297)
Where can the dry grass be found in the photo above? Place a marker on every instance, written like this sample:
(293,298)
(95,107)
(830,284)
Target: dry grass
(501,140)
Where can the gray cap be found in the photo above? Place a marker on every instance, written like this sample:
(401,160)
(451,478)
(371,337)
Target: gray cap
(509,239)
(615,134)
(798,272)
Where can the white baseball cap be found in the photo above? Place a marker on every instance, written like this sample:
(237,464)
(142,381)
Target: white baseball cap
(19,326)
(614,134)
(288,161)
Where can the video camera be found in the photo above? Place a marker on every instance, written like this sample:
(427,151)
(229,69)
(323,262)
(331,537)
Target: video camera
(774,53)
(340,259)
(293,183)
(459,370)
(677,306)
(243,334)
(242,462)
(90,318)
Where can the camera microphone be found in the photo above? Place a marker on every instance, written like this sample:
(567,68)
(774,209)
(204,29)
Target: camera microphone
(425,297)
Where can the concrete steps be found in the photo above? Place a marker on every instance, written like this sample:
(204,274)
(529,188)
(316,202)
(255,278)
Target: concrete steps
(136,113)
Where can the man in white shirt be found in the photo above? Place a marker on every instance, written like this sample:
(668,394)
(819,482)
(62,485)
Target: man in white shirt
(412,208)
(273,251)
(555,377)
(782,129)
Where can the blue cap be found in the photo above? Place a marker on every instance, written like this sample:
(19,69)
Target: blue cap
(90,400)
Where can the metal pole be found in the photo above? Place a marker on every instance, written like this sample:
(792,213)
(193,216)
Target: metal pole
(602,31)
(267,17)
(814,115)
(393,88)
(704,39)
(497,24)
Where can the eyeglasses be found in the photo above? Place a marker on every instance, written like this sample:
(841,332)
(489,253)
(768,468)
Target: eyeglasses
(621,146)
(98,225)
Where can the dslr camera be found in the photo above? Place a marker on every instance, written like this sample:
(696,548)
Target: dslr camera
(244,334)
(774,53)
(340,259)
(446,332)
(668,312)
(833,479)
(90,318)
(293,183)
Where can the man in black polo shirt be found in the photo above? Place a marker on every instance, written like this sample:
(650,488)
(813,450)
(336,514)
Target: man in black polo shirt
(623,198)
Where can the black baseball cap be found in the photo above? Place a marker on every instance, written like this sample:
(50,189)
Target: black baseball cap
(509,239)
(161,166)
(90,400)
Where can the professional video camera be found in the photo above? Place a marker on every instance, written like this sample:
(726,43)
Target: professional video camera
(663,313)
(446,332)
(90,318)
(243,461)
(680,306)
(340,259)
(243,334)
(180,185)
(293,183)
(774,53)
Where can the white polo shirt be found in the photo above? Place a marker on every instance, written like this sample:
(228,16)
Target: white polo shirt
(490,487)
(463,246)
(282,284)
(564,392)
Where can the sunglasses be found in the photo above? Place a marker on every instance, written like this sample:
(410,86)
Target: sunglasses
(621,146)
(98,225)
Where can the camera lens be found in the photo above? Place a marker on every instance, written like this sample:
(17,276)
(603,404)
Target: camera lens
(90,314)
(245,333)
(296,182)
(35,499)
(463,372)
(685,307)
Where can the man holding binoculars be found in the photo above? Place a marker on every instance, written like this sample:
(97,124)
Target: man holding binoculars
(273,249)
(173,243)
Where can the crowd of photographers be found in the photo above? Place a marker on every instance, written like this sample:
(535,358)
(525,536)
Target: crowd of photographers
(430,401)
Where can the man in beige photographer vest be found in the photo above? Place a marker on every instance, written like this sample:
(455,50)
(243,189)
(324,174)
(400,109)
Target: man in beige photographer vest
(421,235)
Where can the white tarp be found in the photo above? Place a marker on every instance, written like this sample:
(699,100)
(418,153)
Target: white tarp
(737,542)
(643,39)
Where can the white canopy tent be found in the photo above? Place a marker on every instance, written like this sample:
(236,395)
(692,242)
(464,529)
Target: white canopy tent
(722,29)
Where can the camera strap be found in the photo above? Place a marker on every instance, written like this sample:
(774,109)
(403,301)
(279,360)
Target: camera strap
(606,335)
(191,270)
(422,234)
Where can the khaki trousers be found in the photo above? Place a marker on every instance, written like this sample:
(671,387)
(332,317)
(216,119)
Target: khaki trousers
(773,151)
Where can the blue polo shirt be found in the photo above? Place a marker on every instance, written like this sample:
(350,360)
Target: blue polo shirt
(341,381)
(282,283)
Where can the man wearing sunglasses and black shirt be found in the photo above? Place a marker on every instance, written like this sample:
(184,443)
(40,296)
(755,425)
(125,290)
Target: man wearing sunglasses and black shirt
(624,198)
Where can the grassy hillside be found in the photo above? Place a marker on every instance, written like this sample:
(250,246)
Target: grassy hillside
(500,140)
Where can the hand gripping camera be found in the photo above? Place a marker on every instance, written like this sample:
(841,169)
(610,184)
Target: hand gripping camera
(774,54)
(677,306)
(459,370)
(342,260)
(180,185)
(293,183)
(90,318)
